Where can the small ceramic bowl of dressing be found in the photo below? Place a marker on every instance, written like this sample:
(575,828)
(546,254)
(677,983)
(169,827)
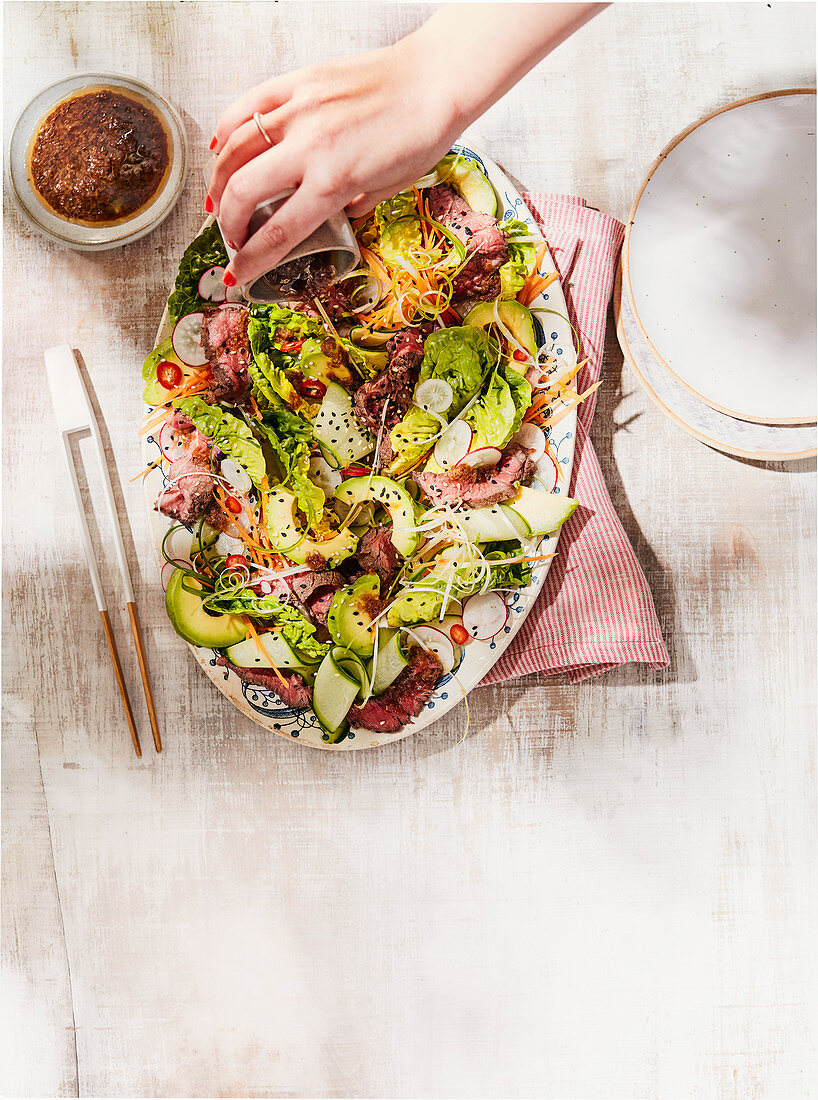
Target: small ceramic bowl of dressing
(97,161)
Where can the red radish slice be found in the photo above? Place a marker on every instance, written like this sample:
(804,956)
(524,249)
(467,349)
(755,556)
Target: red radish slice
(532,438)
(434,395)
(484,615)
(211,286)
(483,456)
(170,443)
(187,340)
(169,568)
(237,476)
(453,445)
(436,642)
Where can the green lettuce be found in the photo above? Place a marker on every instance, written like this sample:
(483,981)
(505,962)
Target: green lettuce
(398,227)
(229,433)
(461,356)
(522,256)
(291,439)
(291,624)
(498,414)
(299,633)
(203,252)
(269,328)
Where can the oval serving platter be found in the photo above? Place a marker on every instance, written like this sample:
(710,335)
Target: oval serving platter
(553,331)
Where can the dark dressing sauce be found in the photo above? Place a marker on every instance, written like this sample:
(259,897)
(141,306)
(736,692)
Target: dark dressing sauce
(99,156)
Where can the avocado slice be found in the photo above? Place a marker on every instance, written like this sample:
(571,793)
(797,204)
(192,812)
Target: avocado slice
(470,182)
(391,496)
(514,315)
(314,363)
(287,538)
(351,613)
(197,626)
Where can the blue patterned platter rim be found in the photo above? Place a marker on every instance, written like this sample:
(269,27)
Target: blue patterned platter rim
(553,331)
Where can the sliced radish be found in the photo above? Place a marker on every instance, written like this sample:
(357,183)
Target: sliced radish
(169,568)
(484,615)
(211,285)
(532,438)
(434,395)
(483,456)
(436,642)
(227,545)
(234,294)
(453,445)
(187,340)
(170,443)
(237,476)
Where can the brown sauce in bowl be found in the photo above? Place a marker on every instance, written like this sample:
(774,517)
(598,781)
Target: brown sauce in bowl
(99,156)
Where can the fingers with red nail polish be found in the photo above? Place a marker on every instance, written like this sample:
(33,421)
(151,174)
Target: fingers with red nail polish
(208,204)
(229,279)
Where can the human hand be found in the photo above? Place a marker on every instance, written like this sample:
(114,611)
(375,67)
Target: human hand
(345,135)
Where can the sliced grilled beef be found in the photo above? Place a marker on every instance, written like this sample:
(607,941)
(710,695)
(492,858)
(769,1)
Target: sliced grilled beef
(482,487)
(377,554)
(405,699)
(191,491)
(225,343)
(485,245)
(294,691)
(315,591)
(395,383)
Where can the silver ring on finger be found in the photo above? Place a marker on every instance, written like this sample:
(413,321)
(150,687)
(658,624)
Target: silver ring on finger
(261,130)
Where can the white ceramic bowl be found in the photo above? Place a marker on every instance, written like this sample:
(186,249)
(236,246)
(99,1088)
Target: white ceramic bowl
(82,237)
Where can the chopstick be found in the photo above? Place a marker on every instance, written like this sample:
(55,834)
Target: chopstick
(74,414)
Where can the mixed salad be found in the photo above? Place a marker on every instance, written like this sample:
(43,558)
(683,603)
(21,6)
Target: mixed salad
(358,477)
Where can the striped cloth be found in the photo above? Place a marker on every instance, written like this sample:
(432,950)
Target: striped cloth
(595,611)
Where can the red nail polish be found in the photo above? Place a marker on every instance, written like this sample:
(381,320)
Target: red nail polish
(214,142)
(229,279)
(209,204)
(230,244)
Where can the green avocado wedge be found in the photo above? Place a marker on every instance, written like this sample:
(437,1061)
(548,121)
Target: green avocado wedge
(393,498)
(351,614)
(515,316)
(190,620)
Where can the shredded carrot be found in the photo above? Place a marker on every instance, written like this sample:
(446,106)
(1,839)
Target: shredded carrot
(147,470)
(532,289)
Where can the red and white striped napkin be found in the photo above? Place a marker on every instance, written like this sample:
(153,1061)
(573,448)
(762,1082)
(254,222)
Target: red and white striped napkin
(595,611)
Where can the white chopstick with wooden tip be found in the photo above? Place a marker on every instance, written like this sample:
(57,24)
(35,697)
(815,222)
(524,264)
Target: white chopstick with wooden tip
(74,414)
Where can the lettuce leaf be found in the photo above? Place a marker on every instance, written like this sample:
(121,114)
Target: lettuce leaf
(521,258)
(498,414)
(203,252)
(461,356)
(231,434)
(269,328)
(299,633)
(291,439)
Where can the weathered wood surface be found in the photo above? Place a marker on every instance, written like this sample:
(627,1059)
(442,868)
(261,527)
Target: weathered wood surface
(604,891)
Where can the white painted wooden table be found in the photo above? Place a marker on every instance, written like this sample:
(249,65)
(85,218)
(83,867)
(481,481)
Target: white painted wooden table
(605,891)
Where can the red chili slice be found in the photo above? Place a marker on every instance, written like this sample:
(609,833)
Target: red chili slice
(311,387)
(355,471)
(292,347)
(233,505)
(235,561)
(459,634)
(169,374)
(521,356)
